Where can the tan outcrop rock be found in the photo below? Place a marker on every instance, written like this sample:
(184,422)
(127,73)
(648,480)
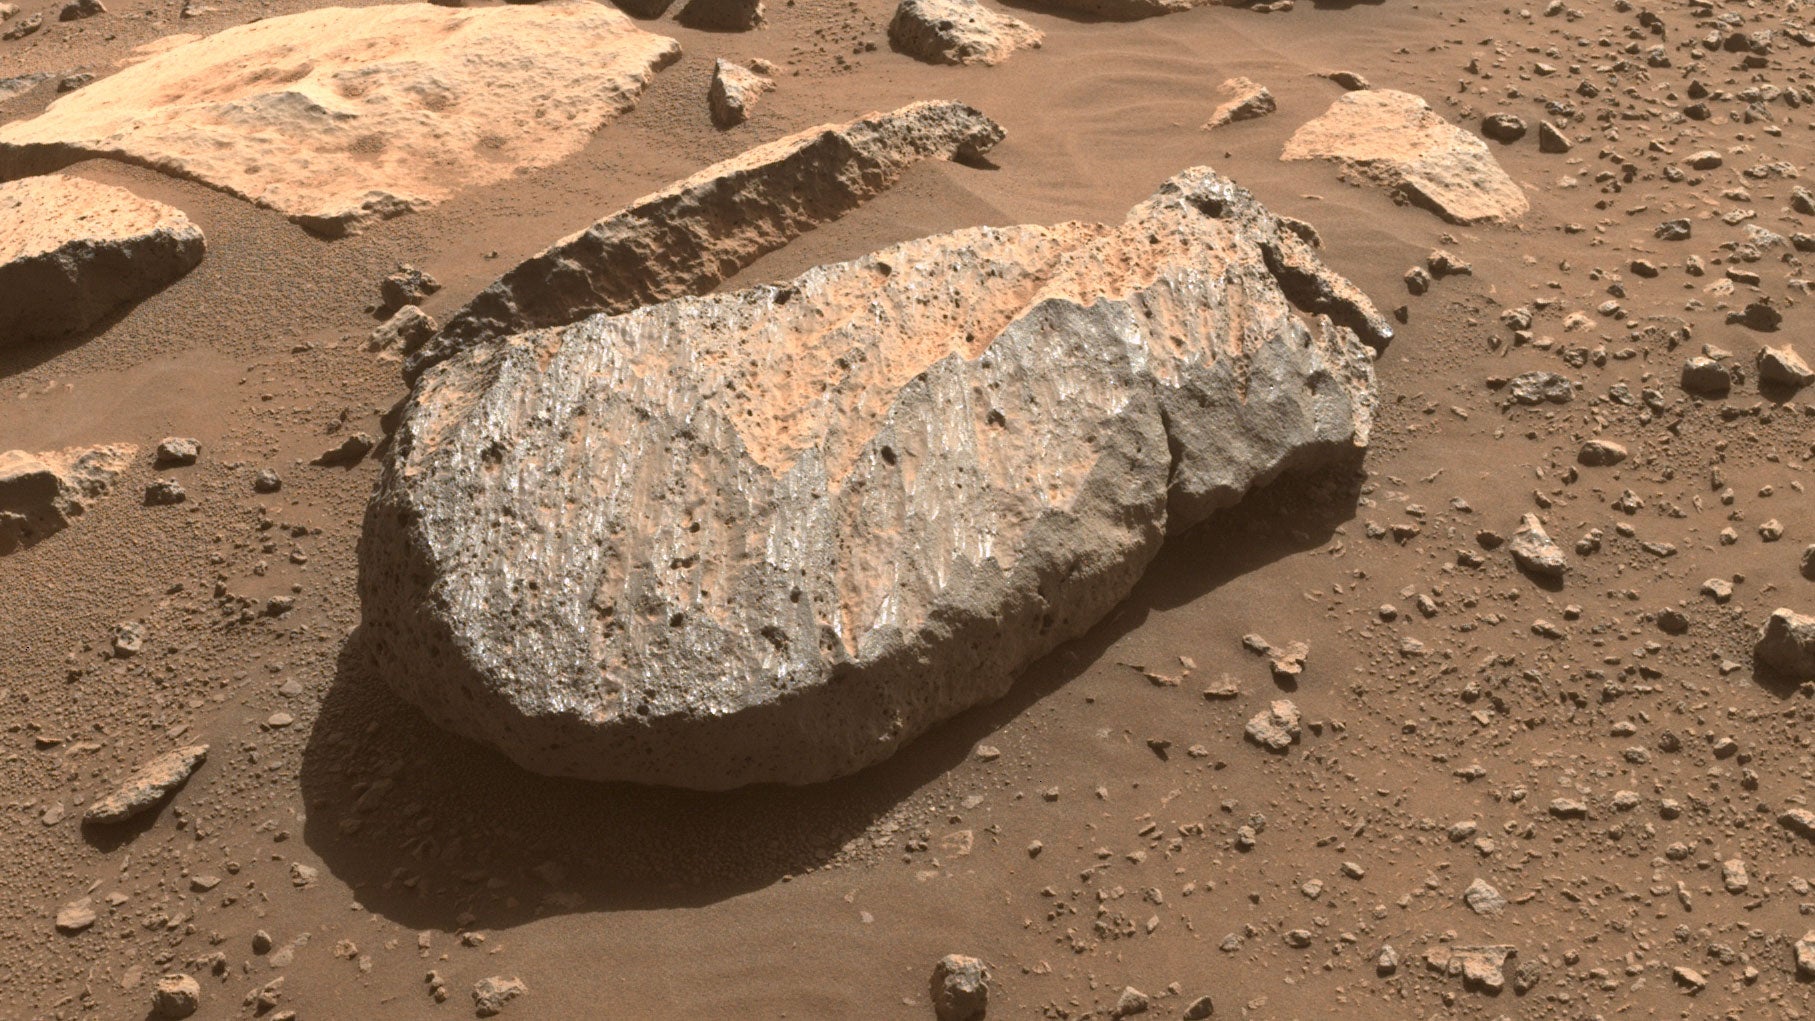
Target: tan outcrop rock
(1396,140)
(72,250)
(690,236)
(1248,100)
(147,787)
(771,535)
(958,32)
(336,117)
(734,92)
(40,494)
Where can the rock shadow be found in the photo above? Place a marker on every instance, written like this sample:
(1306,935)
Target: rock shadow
(433,831)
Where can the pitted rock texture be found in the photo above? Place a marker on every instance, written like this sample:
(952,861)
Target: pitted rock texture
(336,117)
(41,494)
(692,235)
(72,250)
(774,534)
(148,786)
(1396,140)
(958,32)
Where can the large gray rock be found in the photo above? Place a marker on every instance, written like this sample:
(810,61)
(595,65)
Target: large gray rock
(1396,140)
(1786,644)
(958,32)
(40,494)
(772,535)
(73,250)
(690,236)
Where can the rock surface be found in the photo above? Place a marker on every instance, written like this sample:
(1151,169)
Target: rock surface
(72,250)
(1397,141)
(336,117)
(1128,10)
(773,535)
(41,493)
(734,91)
(958,32)
(690,236)
(1535,552)
(1276,727)
(960,988)
(1248,101)
(148,787)
(1787,644)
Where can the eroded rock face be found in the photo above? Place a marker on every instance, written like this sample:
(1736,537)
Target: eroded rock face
(734,92)
(336,117)
(40,494)
(147,787)
(774,534)
(958,32)
(1131,10)
(1396,140)
(690,236)
(72,250)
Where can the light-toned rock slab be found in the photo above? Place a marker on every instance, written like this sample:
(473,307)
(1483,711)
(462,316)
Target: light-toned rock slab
(692,235)
(1397,141)
(772,535)
(958,32)
(41,494)
(72,250)
(148,786)
(338,116)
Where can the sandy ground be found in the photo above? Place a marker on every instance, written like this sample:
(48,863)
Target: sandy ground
(372,849)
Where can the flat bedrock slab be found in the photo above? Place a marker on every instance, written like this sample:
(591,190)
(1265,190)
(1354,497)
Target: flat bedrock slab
(772,535)
(694,234)
(41,494)
(73,250)
(337,117)
(1396,140)
(958,32)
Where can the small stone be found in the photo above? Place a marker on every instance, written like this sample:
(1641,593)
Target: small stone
(1540,387)
(1718,589)
(176,996)
(1786,644)
(1275,728)
(1689,978)
(1534,551)
(148,787)
(266,481)
(164,493)
(1483,899)
(1564,808)
(1131,1002)
(1706,377)
(407,286)
(491,994)
(1673,230)
(1298,938)
(1805,956)
(404,332)
(76,10)
(1248,101)
(351,451)
(960,988)
(75,916)
(177,452)
(261,942)
(988,753)
(1504,128)
(1800,821)
(1386,962)
(1551,138)
(1771,530)
(1199,1009)
(1782,366)
(1733,876)
(1601,454)
(734,92)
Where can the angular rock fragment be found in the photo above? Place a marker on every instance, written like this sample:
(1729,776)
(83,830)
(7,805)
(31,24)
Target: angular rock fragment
(336,117)
(1483,899)
(1397,141)
(772,535)
(491,994)
(960,988)
(1534,388)
(1601,454)
(176,996)
(1805,956)
(1786,644)
(41,493)
(1248,100)
(958,32)
(695,233)
(734,92)
(404,333)
(76,916)
(72,251)
(1535,552)
(1478,967)
(1276,727)
(1551,139)
(147,788)
(1800,821)
(1782,366)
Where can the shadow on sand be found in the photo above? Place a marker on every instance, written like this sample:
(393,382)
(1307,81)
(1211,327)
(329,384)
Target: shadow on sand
(436,832)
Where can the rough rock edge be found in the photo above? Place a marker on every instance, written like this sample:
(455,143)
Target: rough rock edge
(977,639)
(82,475)
(148,786)
(692,235)
(958,32)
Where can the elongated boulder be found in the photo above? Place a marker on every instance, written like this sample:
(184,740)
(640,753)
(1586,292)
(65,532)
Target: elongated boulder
(148,786)
(693,234)
(1395,140)
(958,32)
(41,494)
(772,535)
(73,250)
(1130,10)
(336,117)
